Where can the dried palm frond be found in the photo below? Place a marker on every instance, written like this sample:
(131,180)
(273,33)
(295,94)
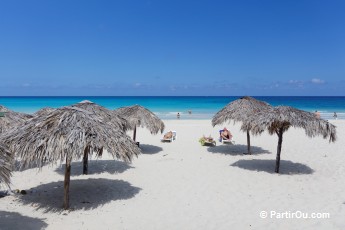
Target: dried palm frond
(10,119)
(6,164)
(43,111)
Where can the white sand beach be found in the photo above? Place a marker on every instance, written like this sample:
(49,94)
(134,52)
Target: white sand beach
(183,185)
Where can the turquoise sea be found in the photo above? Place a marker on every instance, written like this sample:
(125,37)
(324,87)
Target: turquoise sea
(168,107)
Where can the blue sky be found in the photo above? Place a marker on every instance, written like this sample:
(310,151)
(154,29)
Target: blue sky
(182,48)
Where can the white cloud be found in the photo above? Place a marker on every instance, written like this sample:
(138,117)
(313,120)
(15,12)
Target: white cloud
(317,81)
(143,86)
(296,83)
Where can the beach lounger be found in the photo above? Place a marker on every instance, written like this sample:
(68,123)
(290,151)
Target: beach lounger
(209,141)
(229,142)
(225,141)
(173,138)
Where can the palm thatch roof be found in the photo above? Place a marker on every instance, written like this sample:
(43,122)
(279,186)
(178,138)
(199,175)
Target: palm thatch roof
(285,117)
(140,116)
(43,111)
(6,163)
(10,119)
(66,133)
(238,111)
(279,119)
(106,114)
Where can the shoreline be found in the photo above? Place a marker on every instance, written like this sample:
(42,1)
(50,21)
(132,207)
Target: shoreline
(168,107)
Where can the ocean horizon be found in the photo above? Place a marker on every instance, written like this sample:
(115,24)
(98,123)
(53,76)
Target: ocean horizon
(167,107)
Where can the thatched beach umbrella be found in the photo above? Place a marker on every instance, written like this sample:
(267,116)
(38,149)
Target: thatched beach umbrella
(107,115)
(238,111)
(10,119)
(137,115)
(64,134)
(43,111)
(6,164)
(279,119)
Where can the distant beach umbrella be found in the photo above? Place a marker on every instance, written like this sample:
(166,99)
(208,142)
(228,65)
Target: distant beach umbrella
(279,119)
(43,111)
(137,115)
(10,119)
(64,134)
(6,164)
(107,115)
(238,111)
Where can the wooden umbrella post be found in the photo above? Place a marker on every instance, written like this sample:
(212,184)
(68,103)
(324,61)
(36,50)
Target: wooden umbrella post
(85,159)
(279,149)
(66,182)
(248,142)
(135,133)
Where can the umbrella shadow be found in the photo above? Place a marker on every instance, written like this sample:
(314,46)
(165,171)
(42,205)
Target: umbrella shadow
(236,149)
(150,149)
(84,194)
(286,167)
(17,166)
(95,167)
(13,220)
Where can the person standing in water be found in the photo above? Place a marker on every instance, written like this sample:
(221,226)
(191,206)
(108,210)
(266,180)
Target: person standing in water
(335,116)
(178,115)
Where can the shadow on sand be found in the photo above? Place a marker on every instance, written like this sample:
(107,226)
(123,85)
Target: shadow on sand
(150,149)
(17,166)
(236,149)
(13,220)
(96,167)
(84,194)
(286,167)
